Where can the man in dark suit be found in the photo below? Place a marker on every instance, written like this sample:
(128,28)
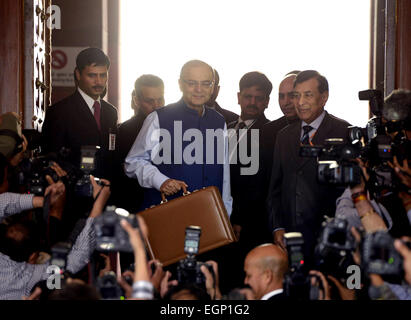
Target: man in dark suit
(296,201)
(248,207)
(212,103)
(270,130)
(265,267)
(147,96)
(84,119)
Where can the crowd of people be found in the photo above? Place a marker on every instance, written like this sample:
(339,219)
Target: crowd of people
(320,209)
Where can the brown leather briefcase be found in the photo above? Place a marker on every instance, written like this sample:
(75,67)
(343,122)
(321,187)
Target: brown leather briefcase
(167,223)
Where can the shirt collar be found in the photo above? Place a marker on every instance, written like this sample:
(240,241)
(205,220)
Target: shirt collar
(248,123)
(272,293)
(89,100)
(316,123)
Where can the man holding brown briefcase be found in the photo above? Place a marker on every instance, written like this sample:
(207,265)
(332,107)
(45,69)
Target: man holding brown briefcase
(183,144)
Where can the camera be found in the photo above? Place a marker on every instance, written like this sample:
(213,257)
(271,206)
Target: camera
(110,235)
(189,269)
(335,162)
(334,248)
(336,237)
(297,283)
(381,140)
(380,256)
(59,253)
(83,187)
(34,168)
(108,286)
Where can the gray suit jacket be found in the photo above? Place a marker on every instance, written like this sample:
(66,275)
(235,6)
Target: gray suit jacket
(296,201)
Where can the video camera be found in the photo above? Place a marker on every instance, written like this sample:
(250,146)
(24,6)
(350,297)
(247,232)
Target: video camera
(335,162)
(297,283)
(189,269)
(110,235)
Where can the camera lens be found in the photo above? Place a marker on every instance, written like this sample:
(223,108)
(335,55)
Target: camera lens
(108,230)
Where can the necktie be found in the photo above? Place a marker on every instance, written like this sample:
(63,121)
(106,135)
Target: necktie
(240,125)
(306,137)
(96,107)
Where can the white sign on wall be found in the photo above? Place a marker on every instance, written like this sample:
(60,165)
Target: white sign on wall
(63,62)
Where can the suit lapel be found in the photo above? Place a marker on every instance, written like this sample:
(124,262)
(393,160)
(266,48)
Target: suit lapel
(84,111)
(294,141)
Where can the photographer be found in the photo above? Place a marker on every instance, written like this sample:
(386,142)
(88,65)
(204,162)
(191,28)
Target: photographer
(142,288)
(359,210)
(19,277)
(265,267)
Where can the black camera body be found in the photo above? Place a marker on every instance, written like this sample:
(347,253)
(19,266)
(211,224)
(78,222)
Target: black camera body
(333,253)
(335,162)
(110,235)
(297,283)
(108,286)
(336,237)
(83,187)
(380,256)
(33,171)
(189,269)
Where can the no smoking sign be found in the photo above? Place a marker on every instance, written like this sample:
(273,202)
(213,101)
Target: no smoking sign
(59,59)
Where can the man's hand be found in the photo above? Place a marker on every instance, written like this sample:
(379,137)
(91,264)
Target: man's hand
(172,186)
(403,172)
(15,161)
(325,292)
(141,270)
(237,230)
(212,284)
(345,293)
(158,274)
(166,284)
(279,239)
(102,192)
(57,192)
(406,254)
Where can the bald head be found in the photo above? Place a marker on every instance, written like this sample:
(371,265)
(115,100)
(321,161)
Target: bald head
(265,267)
(270,257)
(196,83)
(195,64)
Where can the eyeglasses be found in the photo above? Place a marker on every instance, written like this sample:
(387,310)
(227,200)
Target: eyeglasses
(202,84)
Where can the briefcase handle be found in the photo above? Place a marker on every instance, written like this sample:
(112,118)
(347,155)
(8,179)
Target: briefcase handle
(164,199)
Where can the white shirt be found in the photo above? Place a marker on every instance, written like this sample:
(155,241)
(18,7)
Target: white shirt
(272,293)
(315,125)
(138,162)
(89,100)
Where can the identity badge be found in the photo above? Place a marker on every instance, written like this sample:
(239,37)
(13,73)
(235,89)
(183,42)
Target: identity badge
(112,142)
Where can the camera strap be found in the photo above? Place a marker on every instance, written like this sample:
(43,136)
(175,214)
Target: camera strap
(46,211)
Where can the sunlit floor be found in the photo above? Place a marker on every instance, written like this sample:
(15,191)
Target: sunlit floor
(238,36)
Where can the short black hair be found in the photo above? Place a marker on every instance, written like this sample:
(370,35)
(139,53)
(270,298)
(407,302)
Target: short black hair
(75,291)
(21,250)
(258,79)
(92,56)
(147,80)
(312,74)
